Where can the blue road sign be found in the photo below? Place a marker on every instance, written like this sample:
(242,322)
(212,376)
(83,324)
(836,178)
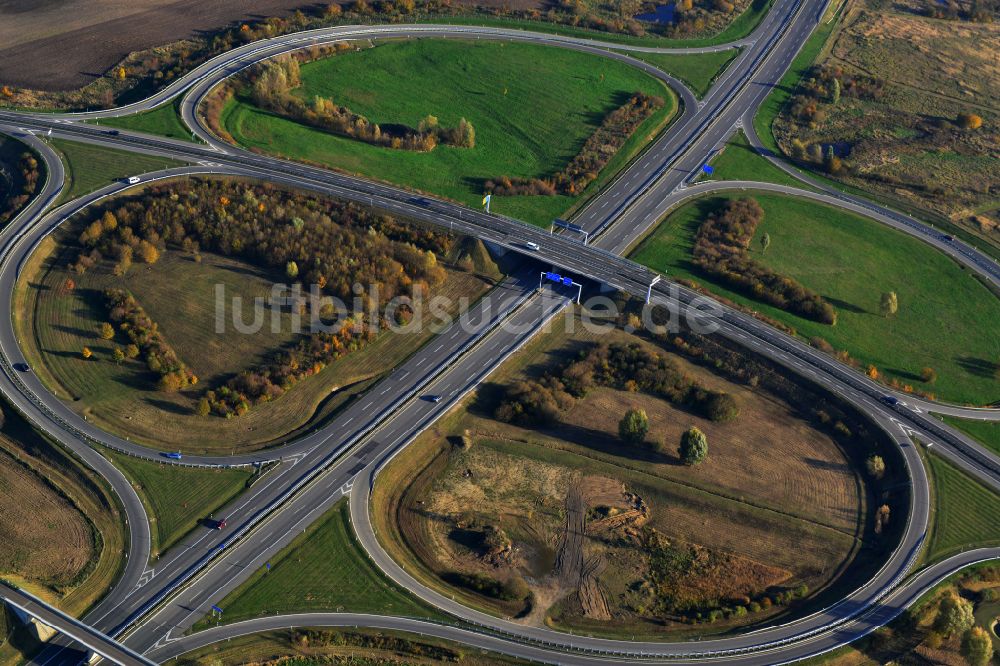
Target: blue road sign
(567,225)
(217,609)
(567,281)
(707,169)
(555,277)
(268,565)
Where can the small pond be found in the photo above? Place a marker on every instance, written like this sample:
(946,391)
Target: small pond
(663,14)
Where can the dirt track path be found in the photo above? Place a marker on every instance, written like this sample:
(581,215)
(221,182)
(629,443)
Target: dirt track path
(568,568)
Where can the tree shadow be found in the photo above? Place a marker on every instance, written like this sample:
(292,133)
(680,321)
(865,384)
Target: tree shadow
(168,407)
(602,442)
(905,374)
(844,305)
(827,465)
(979,367)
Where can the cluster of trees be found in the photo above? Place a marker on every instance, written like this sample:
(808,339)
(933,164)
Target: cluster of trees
(21,186)
(337,245)
(623,366)
(144,334)
(721,250)
(510,590)
(596,152)
(271,89)
(955,617)
(319,638)
(978,11)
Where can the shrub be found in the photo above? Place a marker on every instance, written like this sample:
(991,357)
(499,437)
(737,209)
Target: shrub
(634,426)
(694,447)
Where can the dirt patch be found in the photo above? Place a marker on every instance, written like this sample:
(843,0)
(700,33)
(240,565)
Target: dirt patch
(43,536)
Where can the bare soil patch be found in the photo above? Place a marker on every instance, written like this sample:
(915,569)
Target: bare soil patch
(615,539)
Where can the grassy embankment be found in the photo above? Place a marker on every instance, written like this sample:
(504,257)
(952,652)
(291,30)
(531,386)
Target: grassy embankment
(89,167)
(740,161)
(986,432)
(698,71)
(965,511)
(513,94)
(851,262)
(525,476)
(61,532)
(164,120)
(177,498)
(179,295)
(739,28)
(323,569)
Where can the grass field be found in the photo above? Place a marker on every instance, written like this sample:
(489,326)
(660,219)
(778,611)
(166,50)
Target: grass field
(323,569)
(61,532)
(698,71)
(851,262)
(986,433)
(741,26)
(522,479)
(90,167)
(964,511)
(513,94)
(164,120)
(123,398)
(740,161)
(177,498)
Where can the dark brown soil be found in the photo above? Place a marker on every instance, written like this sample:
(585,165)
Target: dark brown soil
(66,44)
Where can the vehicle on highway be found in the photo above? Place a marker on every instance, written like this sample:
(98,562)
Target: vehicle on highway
(132,180)
(173,455)
(890,400)
(532,246)
(219,524)
(947,238)
(434,398)
(22,367)
(113,132)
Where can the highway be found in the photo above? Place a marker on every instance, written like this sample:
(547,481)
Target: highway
(324,466)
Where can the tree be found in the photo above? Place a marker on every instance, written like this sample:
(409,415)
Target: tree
(132,351)
(889,304)
(292,270)
(835,91)
(875,466)
(969,121)
(765,242)
(977,647)
(694,447)
(634,426)
(203,408)
(86,353)
(118,355)
(928,375)
(69,285)
(881,518)
(954,615)
(831,162)
(120,73)
(107,331)
(148,252)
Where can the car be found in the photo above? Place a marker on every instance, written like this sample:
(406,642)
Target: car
(434,398)
(173,455)
(890,400)
(220,524)
(132,180)
(532,246)
(22,367)
(948,238)
(113,132)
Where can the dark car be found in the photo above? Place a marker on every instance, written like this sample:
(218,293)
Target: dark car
(22,367)
(890,400)
(434,398)
(113,132)
(947,238)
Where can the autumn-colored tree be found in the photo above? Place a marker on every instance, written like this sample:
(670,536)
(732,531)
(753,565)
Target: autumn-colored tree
(108,221)
(881,518)
(86,353)
(875,466)
(928,375)
(118,355)
(7,91)
(132,351)
(148,252)
(954,616)
(332,10)
(889,304)
(68,285)
(203,408)
(872,372)
(634,426)
(107,331)
(292,269)
(969,121)
(977,647)
(120,73)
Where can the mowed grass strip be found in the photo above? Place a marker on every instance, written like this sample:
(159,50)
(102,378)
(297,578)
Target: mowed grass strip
(323,569)
(965,511)
(697,70)
(164,120)
(986,433)
(90,167)
(177,498)
(946,318)
(532,107)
